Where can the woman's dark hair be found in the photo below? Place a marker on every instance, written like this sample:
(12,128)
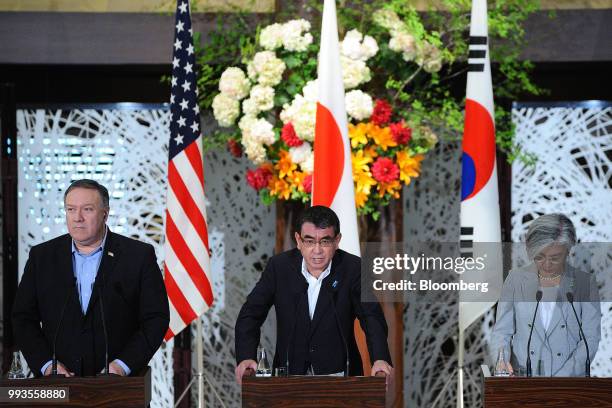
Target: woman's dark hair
(320,216)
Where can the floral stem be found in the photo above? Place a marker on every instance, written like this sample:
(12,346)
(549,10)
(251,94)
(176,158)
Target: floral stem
(406,82)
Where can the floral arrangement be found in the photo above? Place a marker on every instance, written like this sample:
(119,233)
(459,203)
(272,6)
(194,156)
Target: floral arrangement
(394,64)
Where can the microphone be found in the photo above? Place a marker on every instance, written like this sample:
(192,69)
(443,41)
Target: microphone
(107,372)
(59,325)
(538,299)
(587,363)
(332,295)
(292,332)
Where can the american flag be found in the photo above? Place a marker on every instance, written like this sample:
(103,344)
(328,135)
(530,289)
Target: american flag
(187,262)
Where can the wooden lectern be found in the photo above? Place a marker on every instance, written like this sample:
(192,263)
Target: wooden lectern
(113,391)
(313,391)
(544,392)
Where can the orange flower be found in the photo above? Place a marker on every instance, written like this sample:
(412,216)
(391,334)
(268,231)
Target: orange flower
(284,166)
(409,166)
(383,137)
(392,188)
(280,188)
(370,151)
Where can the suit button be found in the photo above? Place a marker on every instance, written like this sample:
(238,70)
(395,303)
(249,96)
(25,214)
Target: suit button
(528,324)
(312,349)
(563,326)
(532,353)
(558,354)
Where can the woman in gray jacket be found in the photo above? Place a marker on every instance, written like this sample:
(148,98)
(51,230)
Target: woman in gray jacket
(557,348)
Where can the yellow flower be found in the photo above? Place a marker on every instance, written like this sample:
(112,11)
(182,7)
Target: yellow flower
(392,188)
(358,134)
(280,188)
(284,166)
(364,182)
(360,199)
(360,162)
(383,137)
(296,178)
(409,166)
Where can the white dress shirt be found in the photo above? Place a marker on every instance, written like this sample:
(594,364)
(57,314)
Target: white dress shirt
(548,304)
(314,286)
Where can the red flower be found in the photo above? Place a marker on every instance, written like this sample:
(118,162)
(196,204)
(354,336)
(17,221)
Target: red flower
(259,178)
(401,133)
(384,170)
(290,137)
(234,148)
(381,115)
(307,183)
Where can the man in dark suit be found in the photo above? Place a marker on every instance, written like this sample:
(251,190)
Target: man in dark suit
(316,292)
(72,282)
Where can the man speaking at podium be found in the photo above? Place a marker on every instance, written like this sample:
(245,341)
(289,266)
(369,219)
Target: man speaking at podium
(88,290)
(316,291)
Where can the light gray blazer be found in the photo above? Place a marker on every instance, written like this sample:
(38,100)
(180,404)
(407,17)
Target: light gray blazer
(560,348)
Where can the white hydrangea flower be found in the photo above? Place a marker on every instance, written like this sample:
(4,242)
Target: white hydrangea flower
(303,156)
(302,115)
(353,48)
(354,73)
(271,37)
(249,107)
(369,47)
(262,97)
(429,56)
(256,152)
(300,153)
(234,83)
(359,105)
(308,164)
(311,90)
(404,43)
(293,40)
(388,19)
(225,109)
(351,45)
(266,68)
(262,131)
(246,122)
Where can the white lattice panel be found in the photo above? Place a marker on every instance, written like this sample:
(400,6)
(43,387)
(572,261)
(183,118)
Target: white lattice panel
(124,149)
(573,176)
(431,213)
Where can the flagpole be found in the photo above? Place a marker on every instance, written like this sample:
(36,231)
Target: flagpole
(200,365)
(460,370)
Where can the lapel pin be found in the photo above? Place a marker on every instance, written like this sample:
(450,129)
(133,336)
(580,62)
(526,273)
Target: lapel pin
(110,254)
(335,284)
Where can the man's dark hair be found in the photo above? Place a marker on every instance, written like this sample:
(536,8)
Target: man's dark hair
(321,216)
(91,185)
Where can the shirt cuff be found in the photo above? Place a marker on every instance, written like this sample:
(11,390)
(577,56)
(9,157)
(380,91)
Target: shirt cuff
(126,369)
(44,368)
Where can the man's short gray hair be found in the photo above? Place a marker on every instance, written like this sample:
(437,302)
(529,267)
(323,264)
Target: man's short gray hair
(547,230)
(91,185)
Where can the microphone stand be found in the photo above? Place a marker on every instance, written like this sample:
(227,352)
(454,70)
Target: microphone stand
(538,299)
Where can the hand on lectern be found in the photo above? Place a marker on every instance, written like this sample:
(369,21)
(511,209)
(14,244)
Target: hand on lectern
(61,370)
(242,367)
(382,367)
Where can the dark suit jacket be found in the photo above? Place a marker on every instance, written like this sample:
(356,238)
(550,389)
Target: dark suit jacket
(134,298)
(317,342)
